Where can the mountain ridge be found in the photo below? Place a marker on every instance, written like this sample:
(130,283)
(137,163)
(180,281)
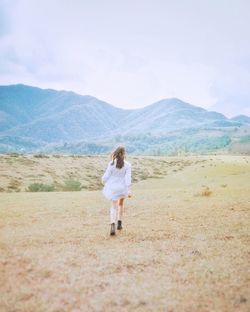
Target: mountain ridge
(54,118)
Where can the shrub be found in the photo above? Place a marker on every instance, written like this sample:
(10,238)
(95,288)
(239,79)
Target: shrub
(13,154)
(143,177)
(206,192)
(40,187)
(245,139)
(41,156)
(72,185)
(14,185)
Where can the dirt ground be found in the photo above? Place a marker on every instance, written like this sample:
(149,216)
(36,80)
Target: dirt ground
(184,247)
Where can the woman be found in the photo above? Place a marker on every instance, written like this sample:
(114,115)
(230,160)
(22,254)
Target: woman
(117,181)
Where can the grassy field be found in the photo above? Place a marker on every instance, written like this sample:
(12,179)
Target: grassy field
(185,244)
(19,172)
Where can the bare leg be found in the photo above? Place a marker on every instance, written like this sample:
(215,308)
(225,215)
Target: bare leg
(120,208)
(113,211)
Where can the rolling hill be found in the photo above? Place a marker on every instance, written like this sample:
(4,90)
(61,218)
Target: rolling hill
(34,119)
(241,118)
(49,115)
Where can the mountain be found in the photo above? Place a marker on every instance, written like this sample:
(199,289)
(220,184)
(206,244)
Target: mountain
(34,119)
(242,119)
(51,115)
(168,115)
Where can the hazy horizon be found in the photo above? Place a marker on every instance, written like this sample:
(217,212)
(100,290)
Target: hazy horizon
(131,54)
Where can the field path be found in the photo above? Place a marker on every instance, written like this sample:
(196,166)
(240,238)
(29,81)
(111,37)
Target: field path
(185,245)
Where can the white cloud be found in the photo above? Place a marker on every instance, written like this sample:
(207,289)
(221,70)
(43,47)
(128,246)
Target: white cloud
(131,53)
(231,89)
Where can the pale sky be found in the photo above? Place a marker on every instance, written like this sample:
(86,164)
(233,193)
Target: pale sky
(131,53)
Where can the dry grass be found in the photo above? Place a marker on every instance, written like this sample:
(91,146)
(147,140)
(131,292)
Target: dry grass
(177,252)
(206,192)
(54,170)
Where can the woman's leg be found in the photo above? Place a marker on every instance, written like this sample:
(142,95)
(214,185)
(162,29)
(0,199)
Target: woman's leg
(113,211)
(120,208)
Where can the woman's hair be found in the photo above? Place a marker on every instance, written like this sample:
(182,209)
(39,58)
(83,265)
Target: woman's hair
(118,154)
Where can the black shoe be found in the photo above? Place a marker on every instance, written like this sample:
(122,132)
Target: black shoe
(112,229)
(119,225)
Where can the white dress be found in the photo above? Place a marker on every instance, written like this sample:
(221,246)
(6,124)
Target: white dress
(116,181)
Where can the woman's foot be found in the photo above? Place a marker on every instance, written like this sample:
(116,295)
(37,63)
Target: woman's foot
(119,225)
(112,229)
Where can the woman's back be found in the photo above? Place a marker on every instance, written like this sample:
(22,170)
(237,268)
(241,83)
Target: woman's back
(116,180)
(119,172)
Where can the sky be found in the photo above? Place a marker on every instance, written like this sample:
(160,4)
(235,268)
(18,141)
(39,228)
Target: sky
(131,53)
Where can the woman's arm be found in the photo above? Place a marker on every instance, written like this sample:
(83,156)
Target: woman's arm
(128,179)
(107,174)
(128,175)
